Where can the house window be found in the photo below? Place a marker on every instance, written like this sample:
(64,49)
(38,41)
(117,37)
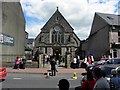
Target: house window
(57,35)
(119,36)
(114,53)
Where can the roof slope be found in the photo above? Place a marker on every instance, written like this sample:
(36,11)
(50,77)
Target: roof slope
(111,19)
(57,18)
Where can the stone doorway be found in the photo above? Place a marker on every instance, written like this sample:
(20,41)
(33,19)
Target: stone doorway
(57,53)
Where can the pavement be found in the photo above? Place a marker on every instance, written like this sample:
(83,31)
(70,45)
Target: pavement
(44,70)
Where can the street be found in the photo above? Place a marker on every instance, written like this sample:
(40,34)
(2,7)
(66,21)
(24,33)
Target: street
(24,80)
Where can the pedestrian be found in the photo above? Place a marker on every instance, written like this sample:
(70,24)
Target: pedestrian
(23,62)
(47,58)
(102,58)
(78,62)
(74,62)
(86,61)
(53,67)
(92,58)
(101,82)
(89,83)
(89,60)
(64,84)
(114,81)
(17,62)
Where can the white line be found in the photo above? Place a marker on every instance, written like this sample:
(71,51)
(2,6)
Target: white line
(17,78)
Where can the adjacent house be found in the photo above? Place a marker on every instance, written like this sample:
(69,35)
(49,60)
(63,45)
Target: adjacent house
(29,48)
(104,38)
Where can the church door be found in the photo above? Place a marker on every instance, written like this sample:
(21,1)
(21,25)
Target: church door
(57,53)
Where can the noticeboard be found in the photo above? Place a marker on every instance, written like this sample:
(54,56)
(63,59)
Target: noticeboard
(6,40)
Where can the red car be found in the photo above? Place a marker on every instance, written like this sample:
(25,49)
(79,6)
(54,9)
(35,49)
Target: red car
(2,73)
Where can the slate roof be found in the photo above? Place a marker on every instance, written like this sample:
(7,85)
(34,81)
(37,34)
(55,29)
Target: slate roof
(30,41)
(111,19)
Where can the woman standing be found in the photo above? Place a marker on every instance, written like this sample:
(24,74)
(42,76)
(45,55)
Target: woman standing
(17,62)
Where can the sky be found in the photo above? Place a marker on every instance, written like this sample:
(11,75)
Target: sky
(78,13)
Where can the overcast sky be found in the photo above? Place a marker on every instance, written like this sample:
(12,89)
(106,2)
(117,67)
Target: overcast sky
(79,13)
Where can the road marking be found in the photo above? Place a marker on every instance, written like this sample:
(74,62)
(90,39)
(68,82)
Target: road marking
(17,78)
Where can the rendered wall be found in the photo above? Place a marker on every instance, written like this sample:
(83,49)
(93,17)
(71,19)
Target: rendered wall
(13,26)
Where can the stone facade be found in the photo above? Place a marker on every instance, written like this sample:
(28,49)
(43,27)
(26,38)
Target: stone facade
(57,37)
(12,33)
(104,33)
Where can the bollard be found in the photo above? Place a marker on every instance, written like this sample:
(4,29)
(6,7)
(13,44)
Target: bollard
(74,75)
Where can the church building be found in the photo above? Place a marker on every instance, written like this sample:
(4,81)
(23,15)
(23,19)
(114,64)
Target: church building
(57,37)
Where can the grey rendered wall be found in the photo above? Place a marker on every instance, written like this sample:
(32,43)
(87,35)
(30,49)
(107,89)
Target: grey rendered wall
(0,31)
(14,26)
(99,43)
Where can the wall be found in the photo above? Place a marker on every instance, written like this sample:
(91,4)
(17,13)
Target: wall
(13,24)
(98,41)
(0,31)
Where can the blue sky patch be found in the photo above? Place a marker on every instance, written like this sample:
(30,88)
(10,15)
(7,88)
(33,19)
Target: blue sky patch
(31,20)
(116,8)
(28,4)
(98,1)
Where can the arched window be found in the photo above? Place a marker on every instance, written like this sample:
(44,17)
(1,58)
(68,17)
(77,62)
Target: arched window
(57,35)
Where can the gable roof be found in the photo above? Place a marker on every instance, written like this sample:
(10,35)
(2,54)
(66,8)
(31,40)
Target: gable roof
(53,19)
(111,19)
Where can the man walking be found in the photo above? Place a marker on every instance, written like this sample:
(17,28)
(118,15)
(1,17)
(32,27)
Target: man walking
(53,67)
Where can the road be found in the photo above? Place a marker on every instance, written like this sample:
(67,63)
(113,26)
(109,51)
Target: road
(19,80)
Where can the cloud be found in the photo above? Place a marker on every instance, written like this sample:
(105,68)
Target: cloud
(34,29)
(79,13)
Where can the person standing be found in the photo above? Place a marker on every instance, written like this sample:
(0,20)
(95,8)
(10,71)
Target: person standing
(23,62)
(92,58)
(53,67)
(101,82)
(78,61)
(89,83)
(115,80)
(74,62)
(89,60)
(48,59)
(17,62)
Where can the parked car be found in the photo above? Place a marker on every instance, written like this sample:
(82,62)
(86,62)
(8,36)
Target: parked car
(114,61)
(118,70)
(107,69)
(3,73)
(101,62)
